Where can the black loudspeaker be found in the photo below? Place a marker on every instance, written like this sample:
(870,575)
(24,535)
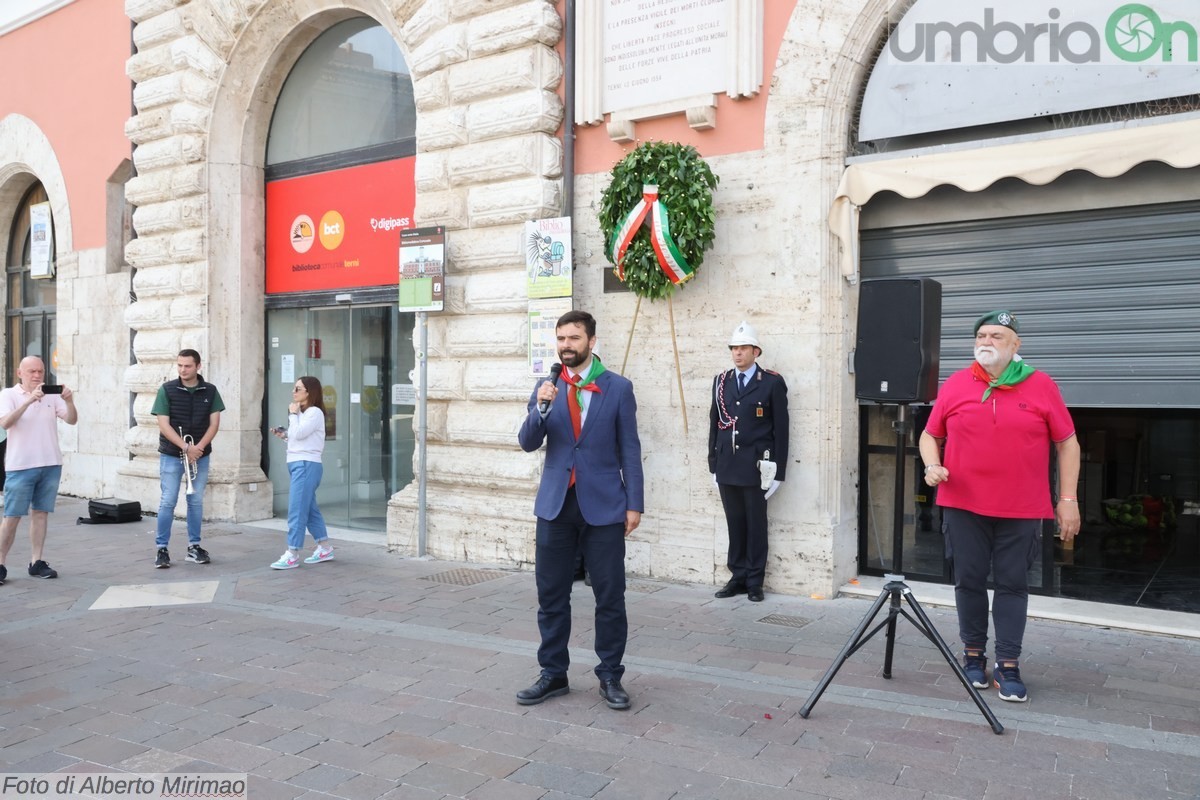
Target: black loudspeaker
(899,339)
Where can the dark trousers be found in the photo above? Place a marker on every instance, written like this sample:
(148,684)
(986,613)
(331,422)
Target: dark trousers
(1005,547)
(746,517)
(603,549)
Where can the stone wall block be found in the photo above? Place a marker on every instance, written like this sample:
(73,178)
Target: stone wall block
(430,173)
(173,88)
(486,336)
(189,180)
(157,280)
(445,378)
(511,28)
(442,208)
(427,18)
(514,201)
(492,468)
(446,46)
(504,380)
(139,10)
(431,91)
(210,28)
(145,253)
(524,112)
(441,129)
(149,314)
(489,248)
(153,62)
(498,292)
(536,67)
(188,246)
(190,54)
(170,216)
(470,9)
(160,28)
(156,344)
(494,424)
(187,312)
(170,152)
(146,126)
(153,187)
(144,378)
(533,155)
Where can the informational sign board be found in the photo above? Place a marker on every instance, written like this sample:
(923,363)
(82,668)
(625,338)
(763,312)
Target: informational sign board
(41,234)
(338,229)
(543,346)
(662,50)
(548,257)
(422,269)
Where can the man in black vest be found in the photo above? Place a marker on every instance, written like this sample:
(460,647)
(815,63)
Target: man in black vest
(748,425)
(189,416)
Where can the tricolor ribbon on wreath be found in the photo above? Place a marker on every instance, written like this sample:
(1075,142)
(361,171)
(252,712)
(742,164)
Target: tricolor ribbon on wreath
(669,258)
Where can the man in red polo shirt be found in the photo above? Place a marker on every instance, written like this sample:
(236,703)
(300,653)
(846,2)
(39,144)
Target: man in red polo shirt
(986,448)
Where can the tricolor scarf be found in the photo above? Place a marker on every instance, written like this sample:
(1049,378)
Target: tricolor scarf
(1016,371)
(585,383)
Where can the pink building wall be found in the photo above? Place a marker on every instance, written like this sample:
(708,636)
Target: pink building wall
(66,72)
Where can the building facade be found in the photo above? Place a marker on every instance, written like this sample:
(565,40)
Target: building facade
(807,207)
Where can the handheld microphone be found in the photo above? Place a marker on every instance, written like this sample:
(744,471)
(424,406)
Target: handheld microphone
(555,371)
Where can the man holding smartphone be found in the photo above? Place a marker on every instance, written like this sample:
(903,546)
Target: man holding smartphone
(30,412)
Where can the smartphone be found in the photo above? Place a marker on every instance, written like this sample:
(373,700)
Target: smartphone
(279,429)
(51,388)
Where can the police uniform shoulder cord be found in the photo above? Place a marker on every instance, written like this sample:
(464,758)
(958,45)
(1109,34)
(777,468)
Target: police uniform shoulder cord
(725,420)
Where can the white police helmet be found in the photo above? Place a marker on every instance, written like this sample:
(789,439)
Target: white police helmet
(745,334)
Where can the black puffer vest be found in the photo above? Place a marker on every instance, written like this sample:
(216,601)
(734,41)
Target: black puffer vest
(190,411)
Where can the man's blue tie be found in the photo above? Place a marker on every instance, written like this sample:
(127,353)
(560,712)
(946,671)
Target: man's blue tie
(741,382)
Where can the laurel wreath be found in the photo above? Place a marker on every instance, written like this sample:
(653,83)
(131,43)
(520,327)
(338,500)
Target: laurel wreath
(685,185)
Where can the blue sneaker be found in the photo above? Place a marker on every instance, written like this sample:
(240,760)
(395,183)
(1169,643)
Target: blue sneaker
(975,667)
(1008,681)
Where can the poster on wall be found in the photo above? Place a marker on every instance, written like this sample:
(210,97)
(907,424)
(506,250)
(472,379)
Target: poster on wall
(338,229)
(41,245)
(543,347)
(422,269)
(548,257)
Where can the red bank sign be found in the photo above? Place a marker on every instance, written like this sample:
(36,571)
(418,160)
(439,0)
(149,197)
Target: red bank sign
(339,229)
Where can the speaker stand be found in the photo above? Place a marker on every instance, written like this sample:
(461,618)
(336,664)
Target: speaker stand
(892,593)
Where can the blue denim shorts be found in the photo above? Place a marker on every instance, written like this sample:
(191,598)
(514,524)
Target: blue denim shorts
(38,485)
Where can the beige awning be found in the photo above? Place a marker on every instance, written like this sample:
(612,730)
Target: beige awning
(1107,153)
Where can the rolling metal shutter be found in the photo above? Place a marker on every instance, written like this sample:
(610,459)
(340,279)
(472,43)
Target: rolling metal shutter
(1108,300)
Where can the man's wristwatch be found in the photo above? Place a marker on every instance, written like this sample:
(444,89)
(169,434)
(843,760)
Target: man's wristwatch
(930,466)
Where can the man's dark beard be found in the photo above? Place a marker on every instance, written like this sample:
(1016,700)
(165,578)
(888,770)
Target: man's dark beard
(575,358)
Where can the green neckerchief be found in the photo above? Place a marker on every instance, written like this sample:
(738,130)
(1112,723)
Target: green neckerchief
(594,371)
(1016,371)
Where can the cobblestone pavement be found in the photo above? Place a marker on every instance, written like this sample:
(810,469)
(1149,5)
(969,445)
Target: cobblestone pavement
(380,676)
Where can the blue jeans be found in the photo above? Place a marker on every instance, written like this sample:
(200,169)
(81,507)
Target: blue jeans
(302,504)
(170,470)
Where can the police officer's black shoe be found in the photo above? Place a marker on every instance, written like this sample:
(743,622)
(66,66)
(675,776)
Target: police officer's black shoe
(614,694)
(730,589)
(755,595)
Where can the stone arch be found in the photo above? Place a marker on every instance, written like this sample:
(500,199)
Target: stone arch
(26,155)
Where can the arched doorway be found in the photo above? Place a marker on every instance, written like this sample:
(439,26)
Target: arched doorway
(339,187)
(31,327)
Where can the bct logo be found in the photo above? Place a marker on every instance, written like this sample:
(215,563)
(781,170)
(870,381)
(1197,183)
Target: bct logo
(333,229)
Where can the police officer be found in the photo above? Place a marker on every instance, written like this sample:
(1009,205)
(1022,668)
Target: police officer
(748,424)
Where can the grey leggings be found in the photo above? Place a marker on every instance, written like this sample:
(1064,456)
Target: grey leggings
(1005,547)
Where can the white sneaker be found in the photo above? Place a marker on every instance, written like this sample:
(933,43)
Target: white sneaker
(288,560)
(320,554)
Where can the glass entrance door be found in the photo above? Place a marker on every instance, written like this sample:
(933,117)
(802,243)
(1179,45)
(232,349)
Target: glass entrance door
(363,356)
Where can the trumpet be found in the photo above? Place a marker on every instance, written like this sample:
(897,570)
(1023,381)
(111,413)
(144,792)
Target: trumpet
(190,468)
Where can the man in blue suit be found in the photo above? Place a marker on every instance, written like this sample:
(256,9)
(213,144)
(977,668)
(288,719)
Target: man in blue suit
(589,500)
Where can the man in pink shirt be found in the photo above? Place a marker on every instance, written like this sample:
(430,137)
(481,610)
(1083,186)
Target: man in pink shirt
(986,448)
(30,412)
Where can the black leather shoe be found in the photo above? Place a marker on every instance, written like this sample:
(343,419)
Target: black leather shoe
(755,595)
(545,688)
(614,695)
(730,589)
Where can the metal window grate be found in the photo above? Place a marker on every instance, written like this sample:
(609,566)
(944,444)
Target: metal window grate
(785,621)
(465,577)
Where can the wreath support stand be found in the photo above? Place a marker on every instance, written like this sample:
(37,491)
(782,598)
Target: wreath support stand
(678,373)
(629,341)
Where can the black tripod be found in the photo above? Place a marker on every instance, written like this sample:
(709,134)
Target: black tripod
(893,591)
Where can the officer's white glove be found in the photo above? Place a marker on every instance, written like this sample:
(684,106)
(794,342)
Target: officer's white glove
(715,480)
(772,490)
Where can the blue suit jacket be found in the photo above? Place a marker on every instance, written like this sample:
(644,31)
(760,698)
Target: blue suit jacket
(607,458)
